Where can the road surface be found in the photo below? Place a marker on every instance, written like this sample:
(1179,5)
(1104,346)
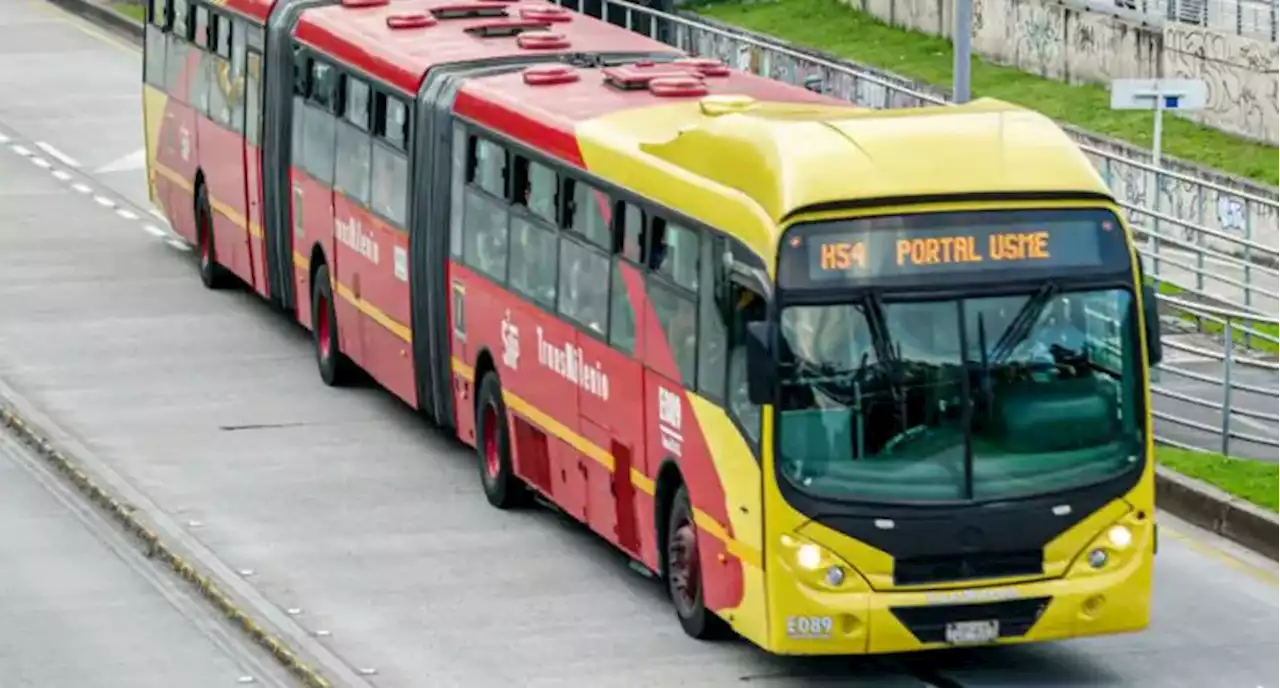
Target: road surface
(82,607)
(344,507)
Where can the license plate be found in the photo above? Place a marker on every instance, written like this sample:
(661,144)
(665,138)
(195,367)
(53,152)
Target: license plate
(971,632)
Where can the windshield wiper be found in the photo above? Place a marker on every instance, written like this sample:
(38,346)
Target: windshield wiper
(1022,323)
(873,309)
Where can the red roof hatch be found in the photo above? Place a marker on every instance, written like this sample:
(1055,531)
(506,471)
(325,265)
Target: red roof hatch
(550,75)
(542,40)
(410,20)
(636,76)
(678,86)
(546,13)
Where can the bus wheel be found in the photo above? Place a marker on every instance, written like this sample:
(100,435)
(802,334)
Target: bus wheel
(684,573)
(493,448)
(211,274)
(335,368)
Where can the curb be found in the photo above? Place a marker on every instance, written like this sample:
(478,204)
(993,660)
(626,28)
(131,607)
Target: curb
(1217,511)
(1186,498)
(155,546)
(105,17)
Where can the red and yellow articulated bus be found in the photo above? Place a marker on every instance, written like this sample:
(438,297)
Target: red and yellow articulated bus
(849,381)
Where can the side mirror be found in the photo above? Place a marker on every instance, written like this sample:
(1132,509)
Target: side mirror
(761,367)
(1151,317)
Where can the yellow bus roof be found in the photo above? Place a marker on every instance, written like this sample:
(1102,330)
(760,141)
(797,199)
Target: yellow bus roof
(744,166)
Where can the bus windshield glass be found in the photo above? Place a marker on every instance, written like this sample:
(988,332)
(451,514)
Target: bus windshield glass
(917,398)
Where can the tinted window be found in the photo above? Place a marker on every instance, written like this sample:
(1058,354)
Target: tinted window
(352,174)
(198,86)
(590,214)
(712,333)
(253,107)
(157,47)
(175,64)
(678,317)
(541,191)
(324,86)
(489,170)
(622,318)
(356,109)
(533,261)
(582,271)
(391,120)
(219,80)
(631,233)
(675,254)
(485,240)
(318,146)
(390,184)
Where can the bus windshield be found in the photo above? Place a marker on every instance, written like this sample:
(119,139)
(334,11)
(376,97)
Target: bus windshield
(873,395)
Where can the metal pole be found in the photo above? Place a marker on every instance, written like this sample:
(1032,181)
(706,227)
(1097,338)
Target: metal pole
(960,42)
(1157,132)
(1227,356)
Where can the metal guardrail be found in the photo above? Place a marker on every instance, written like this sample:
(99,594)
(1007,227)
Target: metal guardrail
(1207,229)
(1252,18)
(1216,410)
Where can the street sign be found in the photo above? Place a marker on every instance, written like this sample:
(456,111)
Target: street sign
(1151,94)
(1158,95)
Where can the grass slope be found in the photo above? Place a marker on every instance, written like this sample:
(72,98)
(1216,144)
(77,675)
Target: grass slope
(833,27)
(1255,481)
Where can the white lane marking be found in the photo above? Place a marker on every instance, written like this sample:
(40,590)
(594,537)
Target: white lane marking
(82,188)
(104,201)
(178,245)
(155,231)
(41,162)
(127,214)
(62,175)
(21,150)
(132,161)
(4,139)
(57,154)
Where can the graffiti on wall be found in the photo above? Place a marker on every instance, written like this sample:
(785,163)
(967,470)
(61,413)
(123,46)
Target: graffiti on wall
(1240,74)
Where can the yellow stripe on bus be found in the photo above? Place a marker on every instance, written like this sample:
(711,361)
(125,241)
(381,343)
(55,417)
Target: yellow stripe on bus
(217,205)
(744,552)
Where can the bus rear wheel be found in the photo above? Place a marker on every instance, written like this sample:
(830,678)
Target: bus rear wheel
(683,573)
(335,368)
(211,274)
(493,448)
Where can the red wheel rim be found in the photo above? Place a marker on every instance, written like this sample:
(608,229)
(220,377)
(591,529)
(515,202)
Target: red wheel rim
(322,326)
(490,441)
(682,552)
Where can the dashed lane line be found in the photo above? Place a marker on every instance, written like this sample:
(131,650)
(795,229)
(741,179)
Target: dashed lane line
(79,185)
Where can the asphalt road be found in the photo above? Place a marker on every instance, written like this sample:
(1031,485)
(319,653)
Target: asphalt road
(82,607)
(343,507)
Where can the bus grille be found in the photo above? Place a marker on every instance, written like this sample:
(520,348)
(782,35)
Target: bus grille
(929,623)
(951,568)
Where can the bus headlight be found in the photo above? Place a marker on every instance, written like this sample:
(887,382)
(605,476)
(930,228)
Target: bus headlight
(1120,536)
(1098,558)
(816,566)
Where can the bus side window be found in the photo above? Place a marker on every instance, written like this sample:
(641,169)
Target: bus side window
(484,220)
(622,317)
(628,232)
(157,42)
(587,212)
(744,306)
(582,270)
(712,323)
(389,191)
(354,147)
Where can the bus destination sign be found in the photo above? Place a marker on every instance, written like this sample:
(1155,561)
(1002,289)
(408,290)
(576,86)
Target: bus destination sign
(858,252)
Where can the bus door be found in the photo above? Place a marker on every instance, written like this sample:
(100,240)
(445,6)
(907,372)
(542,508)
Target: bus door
(610,393)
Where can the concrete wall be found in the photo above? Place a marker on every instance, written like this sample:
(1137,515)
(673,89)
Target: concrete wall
(1072,43)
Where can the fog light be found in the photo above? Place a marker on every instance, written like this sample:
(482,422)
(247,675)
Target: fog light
(835,576)
(809,556)
(1098,558)
(1120,536)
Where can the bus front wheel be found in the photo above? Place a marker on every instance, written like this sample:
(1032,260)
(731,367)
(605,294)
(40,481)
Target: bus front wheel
(683,573)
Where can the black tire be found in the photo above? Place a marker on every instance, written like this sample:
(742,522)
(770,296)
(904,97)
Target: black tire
(684,586)
(212,275)
(335,367)
(493,448)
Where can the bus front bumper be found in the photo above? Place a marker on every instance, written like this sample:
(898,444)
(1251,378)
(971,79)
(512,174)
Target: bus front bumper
(1085,602)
